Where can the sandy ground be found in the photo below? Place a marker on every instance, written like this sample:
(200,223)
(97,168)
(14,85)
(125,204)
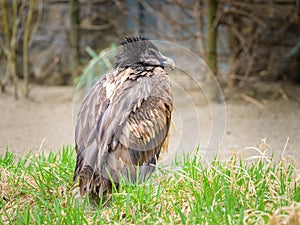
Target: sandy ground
(44,122)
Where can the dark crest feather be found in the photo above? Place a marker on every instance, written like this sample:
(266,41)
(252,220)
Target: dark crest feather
(128,40)
(133,47)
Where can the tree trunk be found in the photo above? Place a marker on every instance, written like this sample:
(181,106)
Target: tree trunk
(8,43)
(212,89)
(13,48)
(212,35)
(74,7)
(26,46)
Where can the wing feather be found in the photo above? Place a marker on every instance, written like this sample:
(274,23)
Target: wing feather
(146,127)
(126,127)
(90,112)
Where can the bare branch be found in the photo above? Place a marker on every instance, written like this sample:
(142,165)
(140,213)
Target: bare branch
(28,23)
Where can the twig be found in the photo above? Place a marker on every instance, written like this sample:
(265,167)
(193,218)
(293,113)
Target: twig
(251,100)
(283,94)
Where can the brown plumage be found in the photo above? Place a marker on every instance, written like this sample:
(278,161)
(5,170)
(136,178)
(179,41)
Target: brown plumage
(123,123)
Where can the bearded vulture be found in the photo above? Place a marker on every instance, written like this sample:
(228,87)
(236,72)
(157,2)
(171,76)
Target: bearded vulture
(124,121)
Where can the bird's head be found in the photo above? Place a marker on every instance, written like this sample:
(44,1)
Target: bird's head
(139,51)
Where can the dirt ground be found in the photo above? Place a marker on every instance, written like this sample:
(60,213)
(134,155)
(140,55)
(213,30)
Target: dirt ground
(44,122)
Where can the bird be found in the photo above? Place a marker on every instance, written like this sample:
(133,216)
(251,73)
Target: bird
(123,124)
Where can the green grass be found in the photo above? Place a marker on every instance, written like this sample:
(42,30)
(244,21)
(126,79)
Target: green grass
(39,190)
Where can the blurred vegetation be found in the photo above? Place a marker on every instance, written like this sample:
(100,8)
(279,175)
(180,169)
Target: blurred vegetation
(99,65)
(241,41)
(19,22)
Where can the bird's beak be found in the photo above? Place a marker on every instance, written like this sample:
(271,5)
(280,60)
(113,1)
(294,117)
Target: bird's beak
(168,62)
